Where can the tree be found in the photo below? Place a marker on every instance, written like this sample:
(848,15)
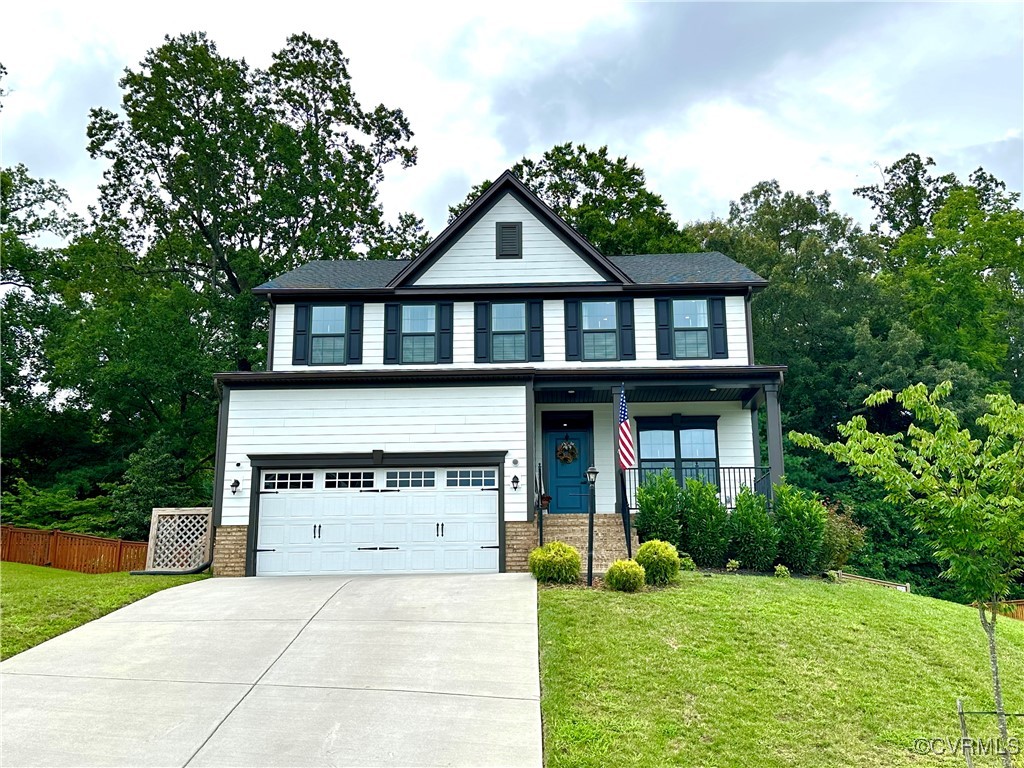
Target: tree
(965,494)
(606,200)
(225,176)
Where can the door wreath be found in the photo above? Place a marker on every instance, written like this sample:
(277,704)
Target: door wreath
(567,452)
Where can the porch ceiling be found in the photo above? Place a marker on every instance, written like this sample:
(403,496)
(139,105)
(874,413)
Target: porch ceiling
(642,394)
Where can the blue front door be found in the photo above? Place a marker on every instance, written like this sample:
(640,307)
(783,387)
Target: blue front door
(567,456)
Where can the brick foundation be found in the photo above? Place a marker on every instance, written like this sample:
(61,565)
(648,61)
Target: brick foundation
(520,540)
(229,545)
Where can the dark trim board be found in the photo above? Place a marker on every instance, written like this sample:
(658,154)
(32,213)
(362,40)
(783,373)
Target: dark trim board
(525,291)
(220,454)
(261,462)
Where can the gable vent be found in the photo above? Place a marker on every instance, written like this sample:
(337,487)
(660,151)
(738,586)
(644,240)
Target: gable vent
(509,239)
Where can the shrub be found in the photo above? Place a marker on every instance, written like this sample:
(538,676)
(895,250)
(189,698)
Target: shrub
(800,520)
(843,537)
(753,539)
(658,499)
(832,576)
(660,561)
(703,522)
(732,566)
(781,571)
(686,563)
(624,576)
(555,563)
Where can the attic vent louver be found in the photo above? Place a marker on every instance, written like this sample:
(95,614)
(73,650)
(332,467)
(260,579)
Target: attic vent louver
(509,240)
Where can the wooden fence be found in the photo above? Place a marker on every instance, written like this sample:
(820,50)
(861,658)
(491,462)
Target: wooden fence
(71,551)
(1016,609)
(846,576)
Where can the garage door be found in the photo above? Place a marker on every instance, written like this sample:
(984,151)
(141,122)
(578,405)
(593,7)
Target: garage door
(436,520)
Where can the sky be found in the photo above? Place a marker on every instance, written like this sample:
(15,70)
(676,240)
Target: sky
(707,98)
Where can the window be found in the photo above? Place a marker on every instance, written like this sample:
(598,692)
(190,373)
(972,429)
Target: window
(508,332)
(419,329)
(508,240)
(410,478)
(327,335)
(599,330)
(685,444)
(348,479)
(291,481)
(472,478)
(691,333)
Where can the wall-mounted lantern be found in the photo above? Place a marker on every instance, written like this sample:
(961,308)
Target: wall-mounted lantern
(234,486)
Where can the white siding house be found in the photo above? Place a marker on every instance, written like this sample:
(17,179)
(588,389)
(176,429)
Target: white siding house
(426,415)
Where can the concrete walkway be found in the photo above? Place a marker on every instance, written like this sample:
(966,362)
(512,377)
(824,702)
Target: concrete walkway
(321,671)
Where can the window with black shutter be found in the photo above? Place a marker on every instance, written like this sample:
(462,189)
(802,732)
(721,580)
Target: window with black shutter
(327,334)
(691,328)
(509,240)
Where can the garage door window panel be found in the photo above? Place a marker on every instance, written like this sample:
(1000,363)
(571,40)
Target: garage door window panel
(287,481)
(471,478)
(410,478)
(342,479)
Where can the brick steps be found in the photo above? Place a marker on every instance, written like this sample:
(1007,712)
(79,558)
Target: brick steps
(609,538)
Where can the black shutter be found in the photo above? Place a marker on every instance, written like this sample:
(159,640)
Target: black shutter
(392,322)
(627,338)
(508,237)
(663,328)
(354,334)
(482,332)
(445,320)
(719,346)
(300,337)
(535,330)
(573,332)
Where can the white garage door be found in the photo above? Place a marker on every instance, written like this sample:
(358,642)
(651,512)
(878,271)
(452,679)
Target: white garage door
(439,520)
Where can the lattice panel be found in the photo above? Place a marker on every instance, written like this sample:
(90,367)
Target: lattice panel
(179,539)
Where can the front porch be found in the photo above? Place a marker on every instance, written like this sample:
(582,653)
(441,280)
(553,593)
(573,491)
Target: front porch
(704,425)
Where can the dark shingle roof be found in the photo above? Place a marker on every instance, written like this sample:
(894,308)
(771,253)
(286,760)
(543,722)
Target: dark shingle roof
(684,268)
(651,268)
(345,273)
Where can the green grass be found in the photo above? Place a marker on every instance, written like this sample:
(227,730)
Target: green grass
(39,603)
(754,671)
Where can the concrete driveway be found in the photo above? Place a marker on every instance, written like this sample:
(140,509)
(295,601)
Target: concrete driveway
(291,671)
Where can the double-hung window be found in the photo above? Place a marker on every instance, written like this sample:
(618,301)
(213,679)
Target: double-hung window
(327,335)
(600,329)
(685,444)
(419,333)
(508,333)
(691,328)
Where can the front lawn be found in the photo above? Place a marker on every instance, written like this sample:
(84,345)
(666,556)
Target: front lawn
(756,671)
(39,603)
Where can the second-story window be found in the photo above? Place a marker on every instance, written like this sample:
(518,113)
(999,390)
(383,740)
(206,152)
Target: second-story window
(691,330)
(419,329)
(327,335)
(508,332)
(600,329)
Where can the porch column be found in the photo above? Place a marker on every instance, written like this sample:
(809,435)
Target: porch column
(755,432)
(776,466)
(619,501)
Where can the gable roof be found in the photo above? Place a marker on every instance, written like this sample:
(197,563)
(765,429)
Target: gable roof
(691,269)
(508,183)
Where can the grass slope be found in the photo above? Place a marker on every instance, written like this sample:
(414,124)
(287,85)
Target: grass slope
(755,671)
(39,603)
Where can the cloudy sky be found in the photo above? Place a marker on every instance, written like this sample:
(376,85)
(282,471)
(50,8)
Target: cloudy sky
(708,98)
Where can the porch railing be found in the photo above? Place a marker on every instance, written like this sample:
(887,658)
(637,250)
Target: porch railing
(729,481)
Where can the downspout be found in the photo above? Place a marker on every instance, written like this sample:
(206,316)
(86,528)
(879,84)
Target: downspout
(189,572)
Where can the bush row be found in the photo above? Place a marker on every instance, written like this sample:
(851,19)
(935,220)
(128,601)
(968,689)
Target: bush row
(798,532)
(657,563)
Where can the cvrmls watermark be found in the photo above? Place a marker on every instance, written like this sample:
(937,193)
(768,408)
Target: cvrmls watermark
(963,746)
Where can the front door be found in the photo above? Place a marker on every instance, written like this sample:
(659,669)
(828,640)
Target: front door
(567,456)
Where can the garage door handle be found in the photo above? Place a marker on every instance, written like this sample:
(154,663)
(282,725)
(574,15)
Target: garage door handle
(266,550)
(493,546)
(489,489)
(375,549)
(269,491)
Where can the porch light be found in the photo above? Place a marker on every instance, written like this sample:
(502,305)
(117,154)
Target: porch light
(592,475)
(234,486)
(515,482)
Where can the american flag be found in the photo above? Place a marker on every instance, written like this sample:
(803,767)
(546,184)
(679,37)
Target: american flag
(627,453)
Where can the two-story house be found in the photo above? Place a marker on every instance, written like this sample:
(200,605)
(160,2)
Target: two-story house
(424,416)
